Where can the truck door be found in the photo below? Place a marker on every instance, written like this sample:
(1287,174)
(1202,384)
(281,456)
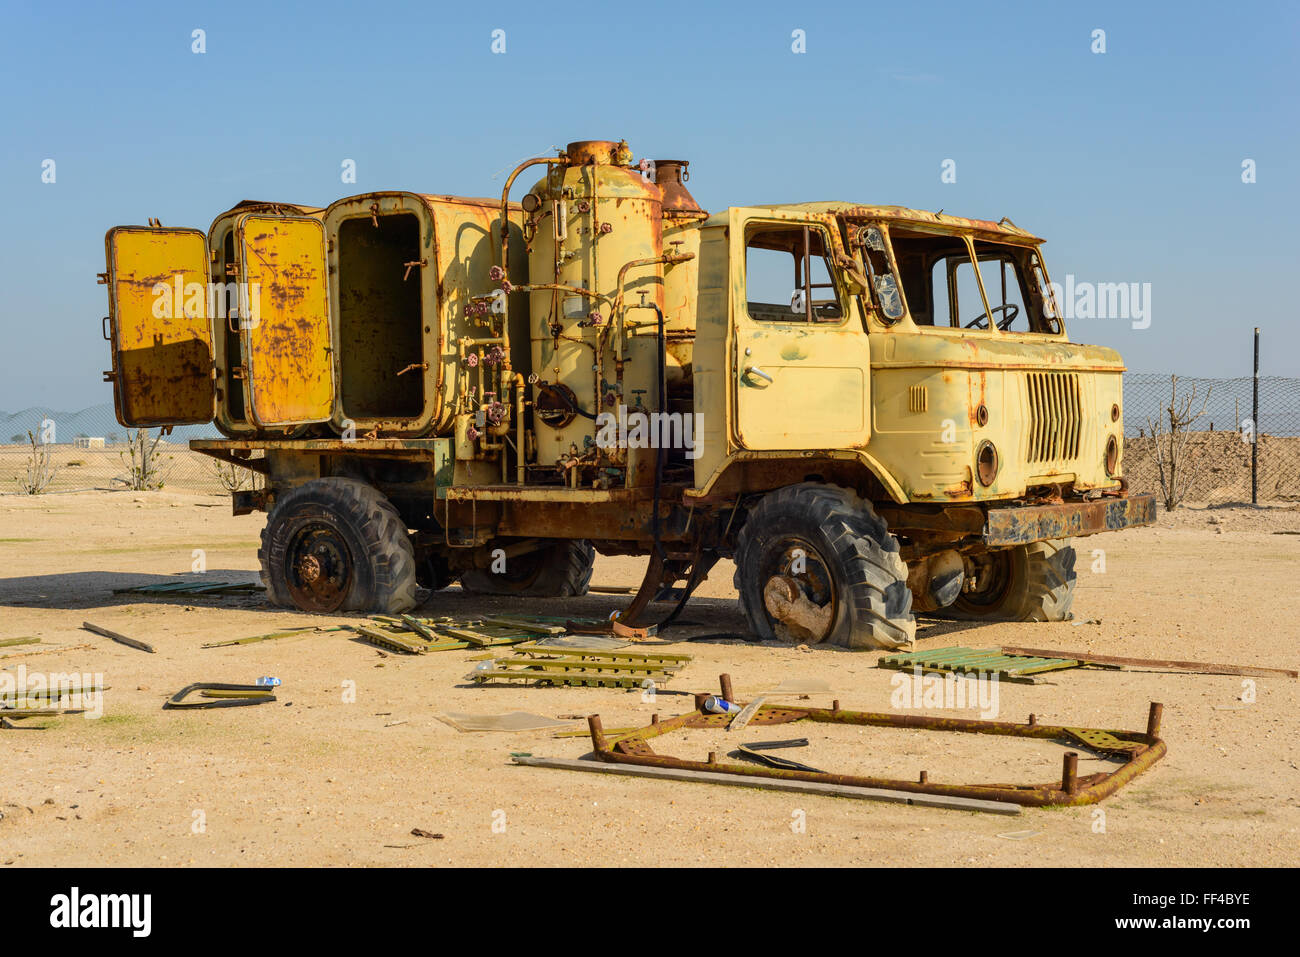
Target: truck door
(801,360)
(158,326)
(284,321)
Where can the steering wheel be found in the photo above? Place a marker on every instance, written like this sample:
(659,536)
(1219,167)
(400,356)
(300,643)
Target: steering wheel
(981,321)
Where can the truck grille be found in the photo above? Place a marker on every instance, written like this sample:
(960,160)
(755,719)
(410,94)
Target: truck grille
(1055,416)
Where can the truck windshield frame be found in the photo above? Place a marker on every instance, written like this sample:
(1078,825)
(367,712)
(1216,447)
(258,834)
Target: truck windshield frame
(940,295)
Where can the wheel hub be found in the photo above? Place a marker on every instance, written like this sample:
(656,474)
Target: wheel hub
(320,568)
(309,568)
(992,581)
(799,592)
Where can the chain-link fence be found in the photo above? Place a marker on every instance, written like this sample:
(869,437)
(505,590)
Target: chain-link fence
(50,451)
(1213,441)
(1218,455)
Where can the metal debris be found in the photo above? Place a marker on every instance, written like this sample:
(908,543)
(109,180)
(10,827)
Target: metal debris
(772,784)
(120,639)
(511,721)
(978,661)
(611,626)
(748,752)
(274,635)
(539,626)
(581,642)
(773,745)
(417,636)
(219,696)
(6,714)
(746,714)
(48,692)
(1159,664)
(582,668)
(193,589)
(1137,751)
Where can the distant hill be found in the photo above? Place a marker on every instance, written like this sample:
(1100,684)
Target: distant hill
(98,421)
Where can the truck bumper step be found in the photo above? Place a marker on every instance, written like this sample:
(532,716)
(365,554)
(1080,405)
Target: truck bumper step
(1037,523)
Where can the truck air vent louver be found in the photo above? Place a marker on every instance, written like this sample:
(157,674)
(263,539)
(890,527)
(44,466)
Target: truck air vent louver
(1055,416)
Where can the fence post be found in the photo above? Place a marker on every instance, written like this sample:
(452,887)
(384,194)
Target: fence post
(1254,432)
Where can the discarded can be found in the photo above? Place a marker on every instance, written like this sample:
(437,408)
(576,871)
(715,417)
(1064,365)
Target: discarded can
(716,705)
(268,682)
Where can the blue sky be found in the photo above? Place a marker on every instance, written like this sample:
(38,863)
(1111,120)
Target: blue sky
(1129,162)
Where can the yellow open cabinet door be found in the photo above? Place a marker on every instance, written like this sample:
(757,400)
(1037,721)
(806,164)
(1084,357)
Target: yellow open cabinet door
(158,326)
(285,322)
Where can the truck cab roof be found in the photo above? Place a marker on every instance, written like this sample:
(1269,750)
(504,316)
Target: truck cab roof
(1004,230)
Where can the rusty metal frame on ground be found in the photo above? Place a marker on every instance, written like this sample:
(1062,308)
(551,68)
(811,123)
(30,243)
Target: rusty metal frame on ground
(1140,749)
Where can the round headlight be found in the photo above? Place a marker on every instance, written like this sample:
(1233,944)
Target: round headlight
(986,463)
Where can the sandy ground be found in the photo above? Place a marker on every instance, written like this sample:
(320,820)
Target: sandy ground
(316,780)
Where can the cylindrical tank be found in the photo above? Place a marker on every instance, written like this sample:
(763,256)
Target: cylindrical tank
(681,280)
(595,219)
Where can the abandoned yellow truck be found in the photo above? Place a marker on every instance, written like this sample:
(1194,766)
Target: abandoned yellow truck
(875,411)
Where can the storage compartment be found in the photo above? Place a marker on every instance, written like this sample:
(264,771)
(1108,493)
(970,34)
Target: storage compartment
(380,317)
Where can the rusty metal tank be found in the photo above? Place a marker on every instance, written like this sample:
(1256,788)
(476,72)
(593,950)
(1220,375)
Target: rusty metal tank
(681,218)
(595,235)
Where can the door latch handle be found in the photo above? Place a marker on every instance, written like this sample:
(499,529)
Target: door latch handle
(755,370)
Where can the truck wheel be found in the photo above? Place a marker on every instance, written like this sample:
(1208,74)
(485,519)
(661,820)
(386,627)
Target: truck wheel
(558,570)
(1033,582)
(815,563)
(337,544)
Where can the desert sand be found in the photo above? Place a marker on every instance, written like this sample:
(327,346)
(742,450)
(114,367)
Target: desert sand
(316,780)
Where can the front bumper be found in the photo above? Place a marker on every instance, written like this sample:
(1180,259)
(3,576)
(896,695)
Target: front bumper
(1037,523)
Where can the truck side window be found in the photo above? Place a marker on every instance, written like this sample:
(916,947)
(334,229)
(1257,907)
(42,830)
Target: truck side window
(788,277)
(956,294)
